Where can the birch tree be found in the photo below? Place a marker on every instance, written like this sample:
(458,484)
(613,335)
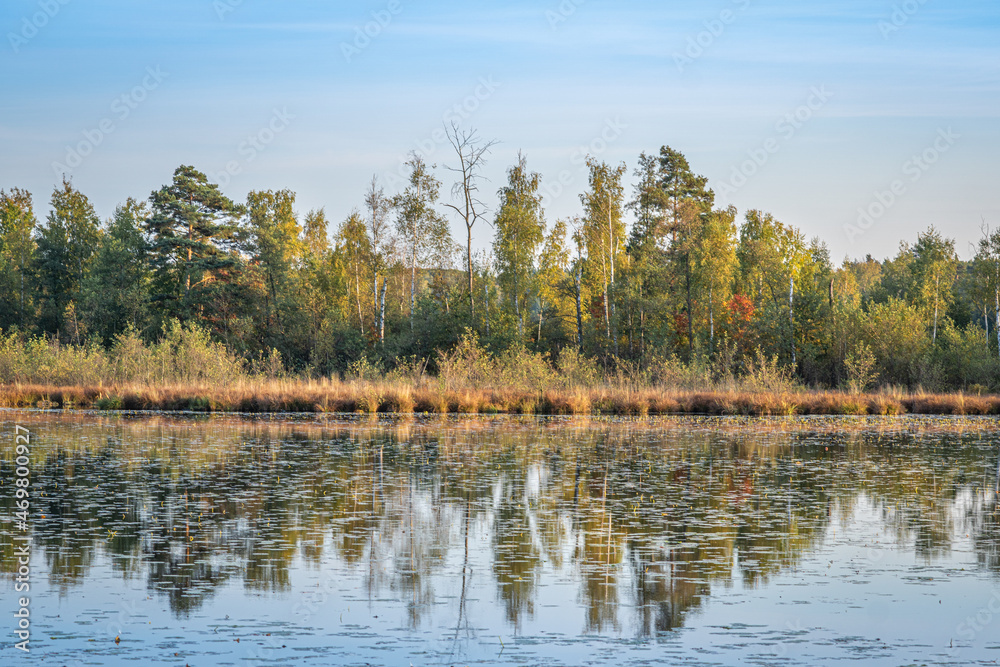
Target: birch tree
(382,245)
(423,232)
(604,231)
(520,230)
(934,269)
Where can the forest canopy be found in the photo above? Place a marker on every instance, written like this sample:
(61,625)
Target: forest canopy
(646,273)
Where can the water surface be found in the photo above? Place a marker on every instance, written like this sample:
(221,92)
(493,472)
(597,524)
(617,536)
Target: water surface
(230,541)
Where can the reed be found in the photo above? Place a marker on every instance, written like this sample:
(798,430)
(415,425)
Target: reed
(414,396)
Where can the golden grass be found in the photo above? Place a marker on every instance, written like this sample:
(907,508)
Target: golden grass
(333,396)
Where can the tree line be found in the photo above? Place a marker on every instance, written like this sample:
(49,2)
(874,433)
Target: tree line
(651,269)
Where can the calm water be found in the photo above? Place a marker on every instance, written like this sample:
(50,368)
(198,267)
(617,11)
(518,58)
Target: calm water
(515,541)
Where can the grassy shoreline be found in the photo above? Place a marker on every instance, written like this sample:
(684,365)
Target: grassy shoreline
(333,396)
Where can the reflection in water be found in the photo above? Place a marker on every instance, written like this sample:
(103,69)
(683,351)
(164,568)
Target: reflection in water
(645,517)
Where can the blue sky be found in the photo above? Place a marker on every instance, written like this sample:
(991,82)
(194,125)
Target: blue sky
(810,111)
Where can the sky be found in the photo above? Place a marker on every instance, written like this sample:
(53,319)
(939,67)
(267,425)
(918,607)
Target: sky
(859,122)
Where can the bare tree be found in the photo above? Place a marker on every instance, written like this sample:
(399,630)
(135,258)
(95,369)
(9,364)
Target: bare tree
(471,152)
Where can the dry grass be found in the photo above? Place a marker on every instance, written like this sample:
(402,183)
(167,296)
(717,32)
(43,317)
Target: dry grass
(287,395)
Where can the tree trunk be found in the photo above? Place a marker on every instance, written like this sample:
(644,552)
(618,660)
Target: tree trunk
(690,308)
(413,284)
(934,337)
(711,318)
(937,287)
(997,322)
(357,296)
(611,289)
(468,259)
(381,318)
(187,269)
(791,314)
(541,313)
(579,309)
(486,303)
(517,311)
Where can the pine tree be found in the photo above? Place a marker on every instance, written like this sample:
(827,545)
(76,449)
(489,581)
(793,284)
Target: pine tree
(116,289)
(66,243)
(194,241)
(17,249)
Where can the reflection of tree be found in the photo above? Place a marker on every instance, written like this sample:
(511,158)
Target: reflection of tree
(515,555)
(648,519)
(986,526)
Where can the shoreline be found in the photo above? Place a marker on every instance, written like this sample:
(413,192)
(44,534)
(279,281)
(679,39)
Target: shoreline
(325,396)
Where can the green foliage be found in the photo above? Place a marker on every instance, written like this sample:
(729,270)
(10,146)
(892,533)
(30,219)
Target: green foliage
(896,333)
(520,231)
(965,357)
(860,363)
(469,364)
(768,373)
(115,292)
(193,231)
(66,243)
(577,370)
(191,287)
(17,249)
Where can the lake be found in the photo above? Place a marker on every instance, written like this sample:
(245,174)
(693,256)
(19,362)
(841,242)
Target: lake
(334,540)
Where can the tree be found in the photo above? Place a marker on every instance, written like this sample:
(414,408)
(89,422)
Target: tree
(687,201)
(193,230)
(604,231)
(644,244)
(315,234)
(66,243)
(319,286)
(471,153)
(520,230)
(577,267)
(714,260)
(17,248)
(987,269)
(381,248)
(116,289)
(553,272)
(934,269)
(422,231)
(770,256)
(274,244)
(353,250)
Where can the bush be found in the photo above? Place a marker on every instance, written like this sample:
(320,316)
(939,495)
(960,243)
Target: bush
(965,357)
(861,373)
(897,335)
(576,370)
(765,373)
